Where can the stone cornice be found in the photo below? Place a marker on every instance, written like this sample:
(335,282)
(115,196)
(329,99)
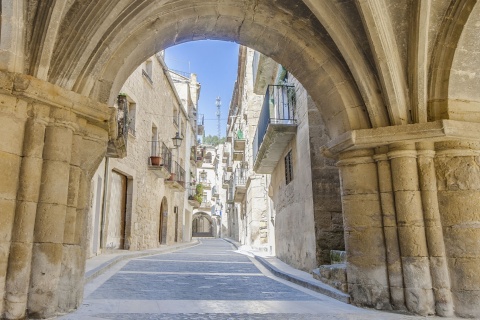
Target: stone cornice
(36,91)
(441,130)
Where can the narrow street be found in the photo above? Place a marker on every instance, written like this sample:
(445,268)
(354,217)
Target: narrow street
(207,281)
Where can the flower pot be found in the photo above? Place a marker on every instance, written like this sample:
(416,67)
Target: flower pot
(172,177)
(155,161)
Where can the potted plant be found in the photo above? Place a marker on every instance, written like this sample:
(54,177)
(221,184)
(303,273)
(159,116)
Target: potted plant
(155,160)
(199,193)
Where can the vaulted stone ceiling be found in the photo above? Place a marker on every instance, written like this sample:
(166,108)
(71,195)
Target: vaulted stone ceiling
(366,63)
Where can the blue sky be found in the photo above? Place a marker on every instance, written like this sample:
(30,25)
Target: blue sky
(215,63)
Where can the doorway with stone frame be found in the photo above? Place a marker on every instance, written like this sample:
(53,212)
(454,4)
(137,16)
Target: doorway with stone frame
(163,222)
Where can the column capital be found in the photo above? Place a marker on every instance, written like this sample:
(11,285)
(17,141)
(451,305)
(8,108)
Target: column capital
(430,132)
(355,157)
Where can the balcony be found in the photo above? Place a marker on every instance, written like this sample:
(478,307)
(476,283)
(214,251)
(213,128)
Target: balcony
(194,199)
(226,154)
(215,193)
(201,125)
(239,141)
(193,156)
(200,156)
(276,127)
(177,178)
(238,155)
(225,181)
(160,160)
(240,183)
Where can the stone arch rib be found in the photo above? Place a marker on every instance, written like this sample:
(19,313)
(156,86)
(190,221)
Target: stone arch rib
(443,54)
(302,45)
(381,35)
(350,48)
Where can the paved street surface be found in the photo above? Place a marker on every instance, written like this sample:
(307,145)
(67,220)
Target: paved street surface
(209,281)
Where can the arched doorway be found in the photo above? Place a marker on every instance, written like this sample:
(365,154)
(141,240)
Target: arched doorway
(162,226)
(202,225)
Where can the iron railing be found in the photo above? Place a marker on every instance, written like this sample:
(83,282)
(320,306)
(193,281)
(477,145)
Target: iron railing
(178,173)
(240,176)
(159,149)
(278,108)
(192,192)
(201,120)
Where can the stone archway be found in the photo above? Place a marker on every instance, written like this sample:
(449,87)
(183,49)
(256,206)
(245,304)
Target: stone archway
(202,225)
(365,64)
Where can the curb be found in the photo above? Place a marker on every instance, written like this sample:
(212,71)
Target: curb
(315,285)
(95,272)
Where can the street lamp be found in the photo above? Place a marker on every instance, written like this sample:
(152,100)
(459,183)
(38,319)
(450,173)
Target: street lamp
(177,140)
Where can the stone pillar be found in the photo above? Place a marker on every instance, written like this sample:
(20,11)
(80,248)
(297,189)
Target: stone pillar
(13,115)
(364,240)
(72,252)
(51,214)
(394,263)
(457,166)
(434,232)
(18,277)
(411,229)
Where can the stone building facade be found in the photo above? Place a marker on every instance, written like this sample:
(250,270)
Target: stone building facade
(137,204)
(284,217)
(396,84)
(207,216)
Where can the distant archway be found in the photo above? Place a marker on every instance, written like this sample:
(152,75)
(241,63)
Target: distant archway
(202,225)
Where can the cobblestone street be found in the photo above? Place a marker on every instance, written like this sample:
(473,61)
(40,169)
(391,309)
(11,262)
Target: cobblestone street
(208,281)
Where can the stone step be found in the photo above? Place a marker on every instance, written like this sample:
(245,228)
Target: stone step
(334,275)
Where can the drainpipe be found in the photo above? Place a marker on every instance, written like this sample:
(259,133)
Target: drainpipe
(104,203)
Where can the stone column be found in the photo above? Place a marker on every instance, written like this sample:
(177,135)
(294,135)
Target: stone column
(457,167)
(13,115)
(411,229)
(364,240)
(434,232)
(18,276)
(394,263)
(72,251)
(51,214)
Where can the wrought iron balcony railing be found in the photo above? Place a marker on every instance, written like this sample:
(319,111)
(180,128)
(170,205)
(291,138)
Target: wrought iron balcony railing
(178,174)
(277,117)
(160,155)
(201,124)
(240,177)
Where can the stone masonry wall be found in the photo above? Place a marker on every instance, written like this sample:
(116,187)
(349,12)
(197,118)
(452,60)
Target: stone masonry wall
(326,190)
(294,219)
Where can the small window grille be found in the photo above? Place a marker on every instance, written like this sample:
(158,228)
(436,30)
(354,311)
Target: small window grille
(288,167)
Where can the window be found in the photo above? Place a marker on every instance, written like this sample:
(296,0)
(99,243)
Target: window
(155,145)
(288,167)
(147,71)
